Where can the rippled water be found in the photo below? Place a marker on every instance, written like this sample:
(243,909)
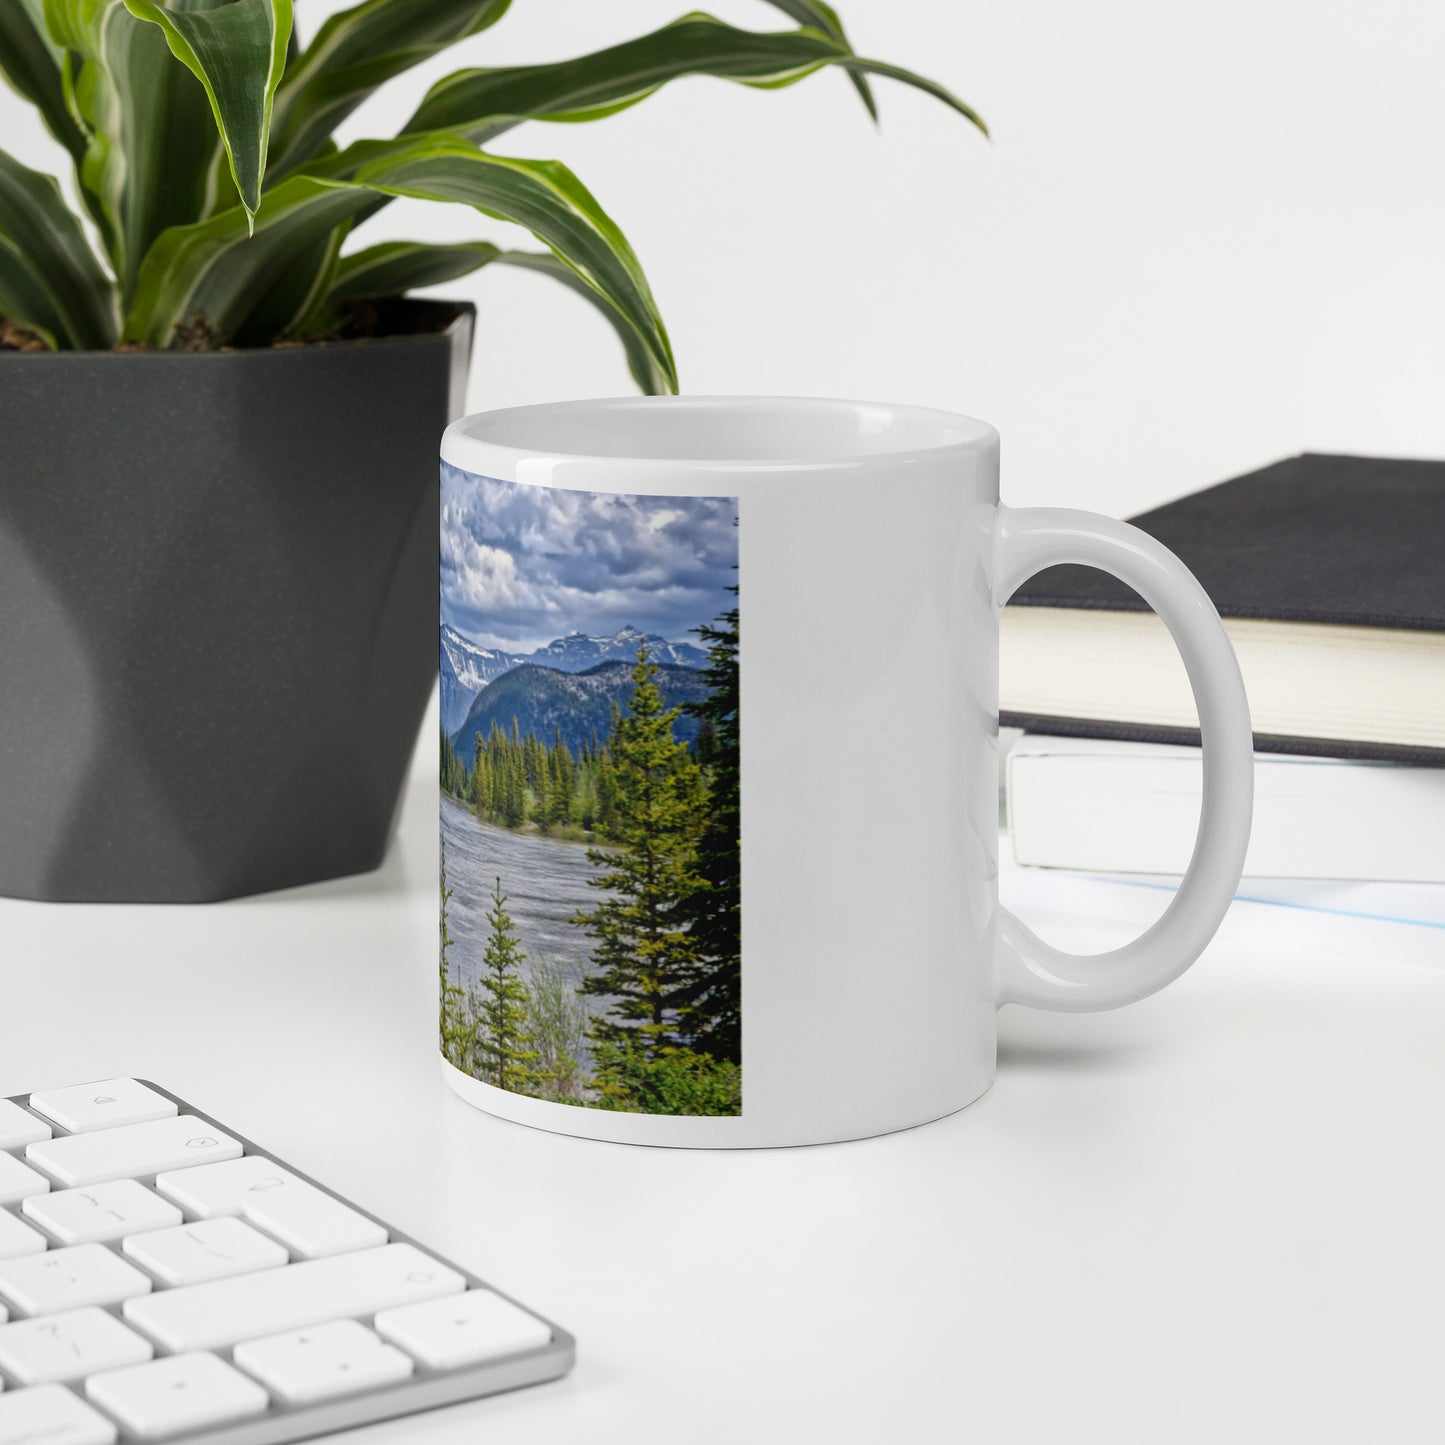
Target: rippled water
(545,882)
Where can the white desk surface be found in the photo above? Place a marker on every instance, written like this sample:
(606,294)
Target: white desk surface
(1216,1215)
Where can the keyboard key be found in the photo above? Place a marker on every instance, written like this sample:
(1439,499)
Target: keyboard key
(56,1349)
(469,1329)
(67,1279)
(210,1249)
(133,1150)
(19,1128)
(335,1337)
(51,1415)
(307,1220)
(227,1311)
(305,1366)
(100,1214)
(83,1108)
(158,1281)
(18,1181)
(177,1395)
(18,1238)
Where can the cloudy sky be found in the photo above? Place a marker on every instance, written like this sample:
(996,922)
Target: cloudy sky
(523,565)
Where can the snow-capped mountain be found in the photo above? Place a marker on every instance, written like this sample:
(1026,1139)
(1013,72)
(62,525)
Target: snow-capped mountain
(577,652)
(466,668)
(575,706)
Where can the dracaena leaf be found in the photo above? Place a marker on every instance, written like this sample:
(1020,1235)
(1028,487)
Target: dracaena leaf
(212,272)
(150,161)
(49,276)
(395,267)
(31,62)
(817,16)
(237,50)
(643,365)
(25,299)
(357,50)
(481,104)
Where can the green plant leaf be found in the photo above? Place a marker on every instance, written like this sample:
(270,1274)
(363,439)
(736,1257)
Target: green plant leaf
(24,298)
(49,276)
(210,270)
(481,104)
(356,51)
(815,15)
(641,363)
(237,50)
(31,64)
(222,277)
(150,162)
(396,267)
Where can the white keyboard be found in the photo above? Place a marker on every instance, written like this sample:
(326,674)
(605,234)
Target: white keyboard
(163,1279)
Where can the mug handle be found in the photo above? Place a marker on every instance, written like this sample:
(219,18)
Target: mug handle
(1030,971)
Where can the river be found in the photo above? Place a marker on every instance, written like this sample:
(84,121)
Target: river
(545,881)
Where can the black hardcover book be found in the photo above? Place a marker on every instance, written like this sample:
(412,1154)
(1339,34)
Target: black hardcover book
(1330,574)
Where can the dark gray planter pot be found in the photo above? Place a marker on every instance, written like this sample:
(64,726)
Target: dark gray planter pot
(218,608)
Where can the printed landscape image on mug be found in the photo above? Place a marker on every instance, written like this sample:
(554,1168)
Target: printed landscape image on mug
(591,782)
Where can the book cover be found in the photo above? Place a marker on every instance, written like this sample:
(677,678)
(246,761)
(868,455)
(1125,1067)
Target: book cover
(1344,541)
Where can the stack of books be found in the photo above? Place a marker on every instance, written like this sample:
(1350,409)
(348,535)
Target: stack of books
(1329,572)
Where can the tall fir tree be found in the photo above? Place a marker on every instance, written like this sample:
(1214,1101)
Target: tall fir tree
(644,955)
(504,1052)
(454,1030)
(714,911)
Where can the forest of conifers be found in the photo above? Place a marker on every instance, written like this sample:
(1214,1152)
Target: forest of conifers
(663,1032)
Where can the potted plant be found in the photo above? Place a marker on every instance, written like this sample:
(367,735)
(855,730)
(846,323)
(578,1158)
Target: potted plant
(218,511)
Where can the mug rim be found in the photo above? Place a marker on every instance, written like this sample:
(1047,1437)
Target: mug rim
(831,434)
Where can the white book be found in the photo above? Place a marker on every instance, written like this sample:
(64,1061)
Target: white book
(1105,806)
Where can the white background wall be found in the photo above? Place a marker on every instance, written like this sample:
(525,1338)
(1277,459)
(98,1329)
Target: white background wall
(1201,238)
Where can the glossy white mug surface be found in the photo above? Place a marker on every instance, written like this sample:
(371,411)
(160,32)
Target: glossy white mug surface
(874,557)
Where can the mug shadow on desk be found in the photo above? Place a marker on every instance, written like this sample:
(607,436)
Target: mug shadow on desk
(1026,1048)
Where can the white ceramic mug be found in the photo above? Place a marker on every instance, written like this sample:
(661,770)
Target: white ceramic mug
(872,557)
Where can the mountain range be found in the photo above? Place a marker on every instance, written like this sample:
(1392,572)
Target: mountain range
(578,705)
(467,669)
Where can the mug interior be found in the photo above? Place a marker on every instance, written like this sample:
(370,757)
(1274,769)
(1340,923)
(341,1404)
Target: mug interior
(753,431)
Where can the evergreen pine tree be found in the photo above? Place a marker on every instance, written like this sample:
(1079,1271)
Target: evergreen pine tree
(477,792)
(715,910)
(454,1029)
(514,806)
(561,773)
(644,955)
(504,1052)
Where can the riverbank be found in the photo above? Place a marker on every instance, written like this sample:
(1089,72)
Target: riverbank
(569,833)
(547,881)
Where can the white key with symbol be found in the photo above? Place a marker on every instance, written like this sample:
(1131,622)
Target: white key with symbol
(19,1128)
(227,1311)
(177,1395)
(67,1279)
(209,1249)
(132,1151)
(106,1104)
(58,1349)
(18,1181)
(307,1220)
(52,1415)
(446,1334)
(18,1238)
(302,1367)
(100,1214)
